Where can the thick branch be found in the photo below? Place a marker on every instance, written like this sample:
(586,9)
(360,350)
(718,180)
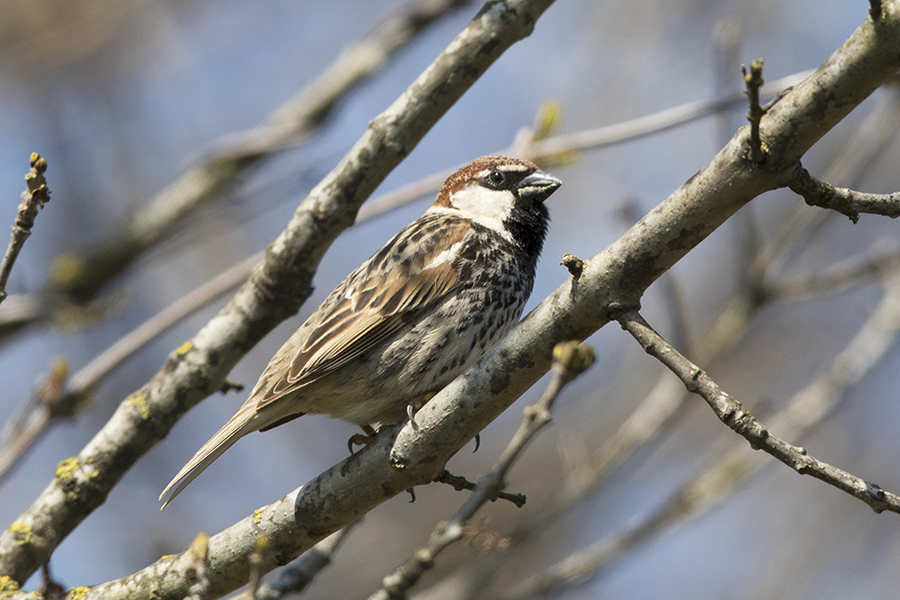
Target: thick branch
(402,457)
(83,274)
(614,279)
(569,360)
(274,291)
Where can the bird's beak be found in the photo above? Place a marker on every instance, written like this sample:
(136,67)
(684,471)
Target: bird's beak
(538,186)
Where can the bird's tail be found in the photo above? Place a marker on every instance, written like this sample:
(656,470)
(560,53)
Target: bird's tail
(238,426)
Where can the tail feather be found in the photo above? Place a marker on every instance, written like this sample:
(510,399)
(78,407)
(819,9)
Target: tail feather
(237,427)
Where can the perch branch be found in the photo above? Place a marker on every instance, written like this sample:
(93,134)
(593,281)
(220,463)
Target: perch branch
(570,359)
(612,281)
(274,291)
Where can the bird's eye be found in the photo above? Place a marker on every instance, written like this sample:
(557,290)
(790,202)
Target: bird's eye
(497,177)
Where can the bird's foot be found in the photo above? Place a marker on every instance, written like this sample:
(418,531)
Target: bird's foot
(361,439)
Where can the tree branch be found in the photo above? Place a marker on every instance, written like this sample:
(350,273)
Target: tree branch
(401,457)
(569,361)
(732,413)
(731,470)
(34,197)
(845,201)
(274,291)
(82,274)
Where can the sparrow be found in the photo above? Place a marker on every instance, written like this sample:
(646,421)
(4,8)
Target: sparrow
(412,317)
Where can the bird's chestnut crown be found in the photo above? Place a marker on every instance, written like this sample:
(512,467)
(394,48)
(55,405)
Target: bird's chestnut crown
(491,188)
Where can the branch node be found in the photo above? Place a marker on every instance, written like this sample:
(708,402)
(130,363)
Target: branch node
(460,483)
(574,264)
(574,357)
(874,490)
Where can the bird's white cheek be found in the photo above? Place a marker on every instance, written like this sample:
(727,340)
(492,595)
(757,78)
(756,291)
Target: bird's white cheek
(487,207)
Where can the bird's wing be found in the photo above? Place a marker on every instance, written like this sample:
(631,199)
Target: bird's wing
(407,276)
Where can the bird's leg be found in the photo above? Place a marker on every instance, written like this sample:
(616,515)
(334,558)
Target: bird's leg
(415,405)
(364,439)
(361,439)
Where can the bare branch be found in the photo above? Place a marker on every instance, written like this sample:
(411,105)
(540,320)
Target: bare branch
(845,201)
(835,278)
(274,291)
(570,359)
(81,275)
(754,81)
(730,471)
(298,575)
(732,413)
(400,457)
(34,197)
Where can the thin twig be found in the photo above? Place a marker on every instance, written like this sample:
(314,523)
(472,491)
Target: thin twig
(570,359)
(547,152)
(274,291)
(754,81)
(460,483)
(731,470)
(732,413)
(835,278)
(845,201)
(35,196)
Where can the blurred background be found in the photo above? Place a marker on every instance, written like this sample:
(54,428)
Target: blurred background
(123,98)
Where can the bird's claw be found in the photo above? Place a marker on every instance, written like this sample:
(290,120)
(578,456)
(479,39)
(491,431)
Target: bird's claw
(361,439)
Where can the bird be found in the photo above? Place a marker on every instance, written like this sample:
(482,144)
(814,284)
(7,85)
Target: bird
(411,318)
